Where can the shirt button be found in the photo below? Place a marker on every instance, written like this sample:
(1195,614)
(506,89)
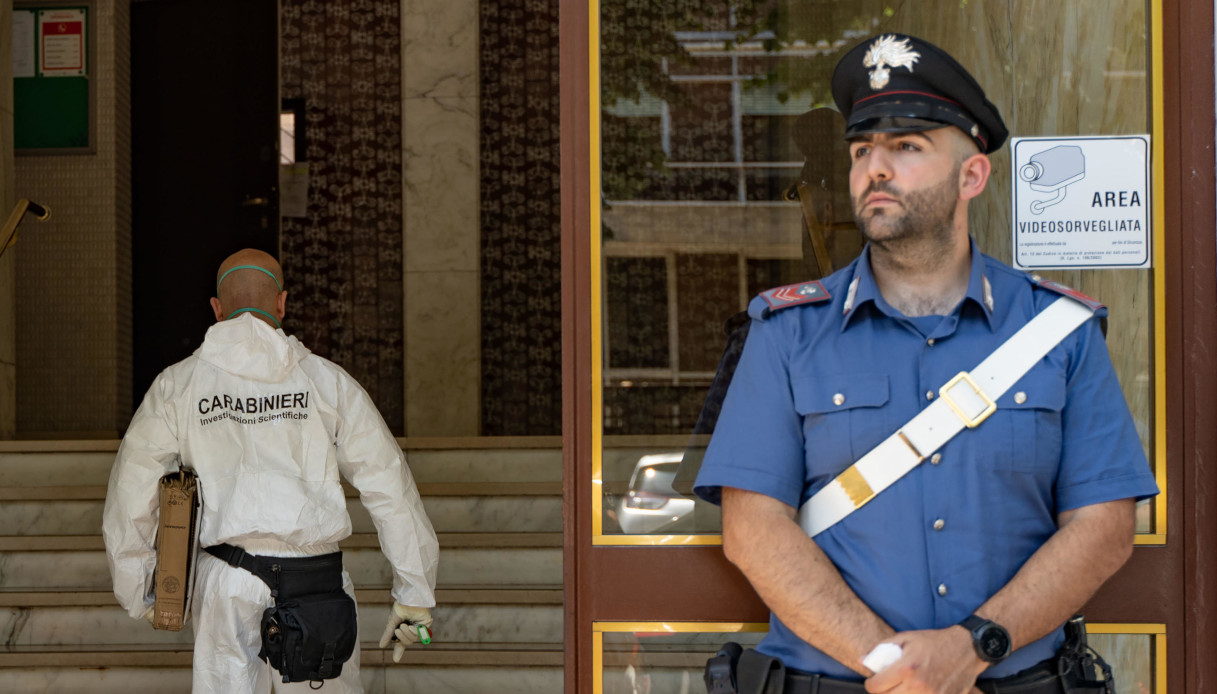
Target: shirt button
(936,458)
(942,589)
(929,395)
(838,399)
(1020,397)
(930,342)
(940,524)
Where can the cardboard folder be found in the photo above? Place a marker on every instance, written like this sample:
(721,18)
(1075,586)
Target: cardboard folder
(176,549)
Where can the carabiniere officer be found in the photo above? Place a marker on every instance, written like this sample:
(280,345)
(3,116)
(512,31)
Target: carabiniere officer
(967,554)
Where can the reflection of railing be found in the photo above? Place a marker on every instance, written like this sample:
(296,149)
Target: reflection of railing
(9,232)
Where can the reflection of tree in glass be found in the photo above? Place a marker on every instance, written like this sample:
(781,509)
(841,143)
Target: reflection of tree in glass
(788,47)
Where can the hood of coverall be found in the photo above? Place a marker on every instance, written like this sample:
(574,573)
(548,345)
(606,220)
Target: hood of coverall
(247,347)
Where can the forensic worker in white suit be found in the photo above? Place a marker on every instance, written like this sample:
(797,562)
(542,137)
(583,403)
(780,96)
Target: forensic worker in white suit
(268,427)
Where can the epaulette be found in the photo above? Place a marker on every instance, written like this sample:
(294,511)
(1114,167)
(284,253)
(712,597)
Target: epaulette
(779,298)
(1070,292)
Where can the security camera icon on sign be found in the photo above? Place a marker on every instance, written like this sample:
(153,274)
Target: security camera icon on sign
(1052,171)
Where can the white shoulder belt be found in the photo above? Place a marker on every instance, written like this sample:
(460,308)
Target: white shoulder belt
(965,401)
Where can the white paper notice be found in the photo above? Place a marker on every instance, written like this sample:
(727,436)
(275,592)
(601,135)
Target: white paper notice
(63,43)
(1081,202)
(23,43)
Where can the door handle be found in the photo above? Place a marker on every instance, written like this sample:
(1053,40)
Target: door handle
(255,202)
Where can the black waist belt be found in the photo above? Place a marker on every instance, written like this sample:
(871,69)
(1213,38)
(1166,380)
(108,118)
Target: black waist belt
(1041,678)
(287,576)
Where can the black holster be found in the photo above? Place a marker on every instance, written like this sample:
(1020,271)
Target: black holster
(1081,669)
(312,628)
(734,670)
(720,670)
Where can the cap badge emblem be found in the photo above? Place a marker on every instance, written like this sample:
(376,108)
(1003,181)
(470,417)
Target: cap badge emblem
(887,52)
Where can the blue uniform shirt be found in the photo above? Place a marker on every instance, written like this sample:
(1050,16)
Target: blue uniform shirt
(1069,443)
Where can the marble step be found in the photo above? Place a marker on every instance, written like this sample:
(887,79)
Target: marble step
(500,668)
(22,516)
(464,566)
(445,595)
(88,463)
(50,543)
(87,627)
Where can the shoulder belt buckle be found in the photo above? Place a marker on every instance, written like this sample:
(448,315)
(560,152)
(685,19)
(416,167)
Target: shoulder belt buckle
(969,421)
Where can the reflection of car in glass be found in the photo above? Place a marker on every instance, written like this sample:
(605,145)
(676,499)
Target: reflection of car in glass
(651,505)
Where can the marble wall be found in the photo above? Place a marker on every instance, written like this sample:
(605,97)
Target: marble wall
(441,263)
(73,272)
(8,304)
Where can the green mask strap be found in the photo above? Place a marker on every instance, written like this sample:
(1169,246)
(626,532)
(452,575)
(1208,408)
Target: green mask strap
(254,310)
(248,267)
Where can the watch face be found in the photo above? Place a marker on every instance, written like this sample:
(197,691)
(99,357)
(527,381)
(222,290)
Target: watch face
(995,642)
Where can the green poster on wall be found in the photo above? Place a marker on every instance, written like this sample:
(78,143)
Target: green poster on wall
(51,78)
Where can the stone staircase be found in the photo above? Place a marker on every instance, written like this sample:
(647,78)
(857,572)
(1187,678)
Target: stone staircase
(497,511)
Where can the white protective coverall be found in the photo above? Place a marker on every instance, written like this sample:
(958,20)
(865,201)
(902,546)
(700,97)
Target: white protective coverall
(268,427)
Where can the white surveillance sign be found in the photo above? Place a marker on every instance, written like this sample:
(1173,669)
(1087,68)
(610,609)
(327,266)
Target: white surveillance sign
(1081,202)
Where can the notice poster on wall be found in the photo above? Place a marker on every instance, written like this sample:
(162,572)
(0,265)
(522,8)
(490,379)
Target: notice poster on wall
(23,44)
(52,101)
(1081,202)
(62,53)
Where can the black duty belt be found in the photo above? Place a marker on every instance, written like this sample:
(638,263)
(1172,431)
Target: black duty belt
(1038,679)
(286,576)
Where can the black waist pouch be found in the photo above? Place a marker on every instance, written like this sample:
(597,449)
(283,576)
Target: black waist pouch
(308,638)
(312,628)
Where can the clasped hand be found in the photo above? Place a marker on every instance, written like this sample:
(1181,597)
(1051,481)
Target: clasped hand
(935,661)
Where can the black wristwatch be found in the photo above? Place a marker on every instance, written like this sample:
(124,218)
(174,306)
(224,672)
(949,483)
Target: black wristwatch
(990,639)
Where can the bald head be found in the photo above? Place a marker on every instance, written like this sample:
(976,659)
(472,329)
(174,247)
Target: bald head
(250,279)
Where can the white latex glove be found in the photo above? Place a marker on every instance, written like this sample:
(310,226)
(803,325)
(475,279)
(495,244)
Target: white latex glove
(149,615)
(403,627)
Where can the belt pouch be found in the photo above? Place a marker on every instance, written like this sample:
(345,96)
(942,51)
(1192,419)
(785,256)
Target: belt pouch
(760,674)
(312,628)
(308,638)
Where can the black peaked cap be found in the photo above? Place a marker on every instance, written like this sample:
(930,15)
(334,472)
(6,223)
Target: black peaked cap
(900,83)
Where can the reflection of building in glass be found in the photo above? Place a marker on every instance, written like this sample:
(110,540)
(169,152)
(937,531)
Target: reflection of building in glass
(696,214)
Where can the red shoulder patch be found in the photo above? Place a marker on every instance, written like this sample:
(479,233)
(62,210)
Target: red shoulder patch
(1070,292)
(795,294)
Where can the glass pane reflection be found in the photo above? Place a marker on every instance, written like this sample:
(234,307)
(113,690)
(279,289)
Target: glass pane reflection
(662,663)
(722,177)
(1131,657)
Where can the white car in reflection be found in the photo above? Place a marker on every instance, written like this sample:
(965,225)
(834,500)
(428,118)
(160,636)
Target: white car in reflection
(651,505)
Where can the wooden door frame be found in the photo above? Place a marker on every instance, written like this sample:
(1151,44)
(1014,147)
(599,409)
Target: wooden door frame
(1190,323)
(597,582)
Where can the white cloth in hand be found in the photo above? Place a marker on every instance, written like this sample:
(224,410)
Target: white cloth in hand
(883,655)
(403,624)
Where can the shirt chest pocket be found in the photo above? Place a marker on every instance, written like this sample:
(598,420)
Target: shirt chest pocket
(844,416)
(1032,411)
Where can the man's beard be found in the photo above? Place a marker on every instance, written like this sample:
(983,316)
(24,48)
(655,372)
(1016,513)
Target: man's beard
(928,216)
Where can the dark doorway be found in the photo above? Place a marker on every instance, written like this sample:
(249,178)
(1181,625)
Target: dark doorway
(204,124)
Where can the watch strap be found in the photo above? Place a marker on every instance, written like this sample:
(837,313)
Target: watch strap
(973,622)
